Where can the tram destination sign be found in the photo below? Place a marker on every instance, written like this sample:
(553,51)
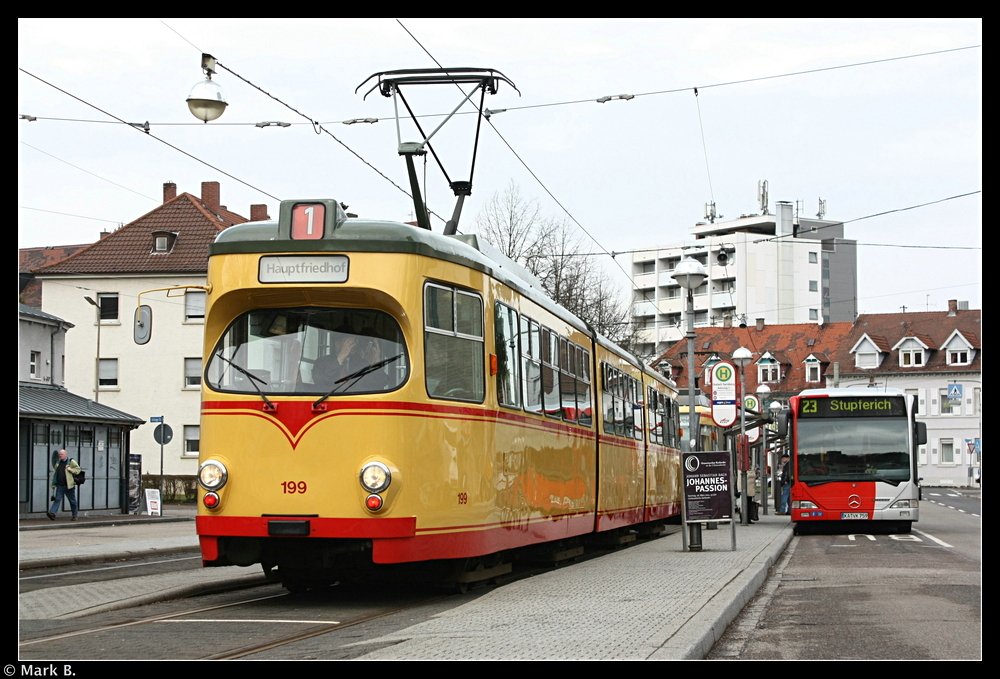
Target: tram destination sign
(303,269)
(852,406)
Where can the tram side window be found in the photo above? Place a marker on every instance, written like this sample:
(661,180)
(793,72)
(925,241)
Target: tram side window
(567,380)
(550,371)
(531,372)
(611,402)
(654,406)
(453,343)
(583,386)
(671,416)
(633,408)
(505,337)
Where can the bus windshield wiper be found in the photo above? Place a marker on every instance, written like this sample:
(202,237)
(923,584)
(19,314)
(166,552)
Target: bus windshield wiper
(348,380)
(253,379)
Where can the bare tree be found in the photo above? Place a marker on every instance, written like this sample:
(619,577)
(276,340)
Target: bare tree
(552,252)
(510,223)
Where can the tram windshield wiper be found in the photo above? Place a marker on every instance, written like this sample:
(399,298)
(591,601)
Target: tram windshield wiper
(253,378)
(347,380)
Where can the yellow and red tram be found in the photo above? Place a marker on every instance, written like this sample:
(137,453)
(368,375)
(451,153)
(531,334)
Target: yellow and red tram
(471,415)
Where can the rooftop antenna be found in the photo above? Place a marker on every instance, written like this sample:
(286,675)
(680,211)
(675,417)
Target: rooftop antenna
(710,214)
(762,196)
(390,84)
(822,209)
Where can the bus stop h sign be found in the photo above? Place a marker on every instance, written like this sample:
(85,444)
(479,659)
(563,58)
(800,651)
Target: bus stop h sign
(724,394)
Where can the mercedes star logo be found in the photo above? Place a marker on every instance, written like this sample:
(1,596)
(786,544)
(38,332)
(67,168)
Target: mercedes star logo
(854,501)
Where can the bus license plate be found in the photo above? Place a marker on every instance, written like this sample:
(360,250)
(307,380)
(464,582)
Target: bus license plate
(847,516)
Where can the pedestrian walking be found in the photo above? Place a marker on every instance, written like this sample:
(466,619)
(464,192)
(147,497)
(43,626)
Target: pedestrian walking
(786,485)
(64,472)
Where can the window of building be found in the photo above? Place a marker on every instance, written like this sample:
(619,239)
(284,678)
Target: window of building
(947,448)
(958,357)
(768,372)
(813,258)
(163,241)
(194,305)
(813,286)
(911,397)
(107,373)
(192,440)
(866,359)
(814,314)
(34,364)
(192,372)
(911,357)
(812,371)
(108,303)
(453,343)
(946,405)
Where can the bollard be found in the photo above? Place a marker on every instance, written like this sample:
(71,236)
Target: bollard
(694,539)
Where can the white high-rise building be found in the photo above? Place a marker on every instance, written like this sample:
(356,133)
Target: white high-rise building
(781,268)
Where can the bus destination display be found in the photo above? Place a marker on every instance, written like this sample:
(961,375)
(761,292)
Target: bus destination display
(852,406)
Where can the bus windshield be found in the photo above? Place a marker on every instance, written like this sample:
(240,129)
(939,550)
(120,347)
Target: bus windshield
(853,449)
(308,351)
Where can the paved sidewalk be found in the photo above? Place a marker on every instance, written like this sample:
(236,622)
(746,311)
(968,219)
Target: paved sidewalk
(651,601)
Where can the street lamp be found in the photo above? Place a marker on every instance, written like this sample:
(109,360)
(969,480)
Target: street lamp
(763,391)
(742,358)
(775,408)
(206,101)
(97,358)
(690,274)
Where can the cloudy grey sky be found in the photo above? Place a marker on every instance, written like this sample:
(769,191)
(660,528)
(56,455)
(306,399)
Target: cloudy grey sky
(880,118)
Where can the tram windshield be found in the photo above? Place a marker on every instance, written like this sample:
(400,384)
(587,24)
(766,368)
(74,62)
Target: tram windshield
(853,449)
(309,351)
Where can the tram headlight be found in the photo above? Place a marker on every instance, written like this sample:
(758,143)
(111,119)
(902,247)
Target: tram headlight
(905,504)
(375,477)
(212,475)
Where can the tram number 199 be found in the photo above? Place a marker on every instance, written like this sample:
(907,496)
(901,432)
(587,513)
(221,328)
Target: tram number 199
(293,487)
(463,498)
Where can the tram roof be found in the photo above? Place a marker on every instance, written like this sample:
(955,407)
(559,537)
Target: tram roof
(364,235)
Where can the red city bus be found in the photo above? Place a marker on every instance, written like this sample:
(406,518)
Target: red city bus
(854,457)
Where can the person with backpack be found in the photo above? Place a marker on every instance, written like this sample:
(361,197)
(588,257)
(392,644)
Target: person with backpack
(64,471)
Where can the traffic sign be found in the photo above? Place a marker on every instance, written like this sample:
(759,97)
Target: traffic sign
(163,434)
(955,393)
(724,394)
(156,418)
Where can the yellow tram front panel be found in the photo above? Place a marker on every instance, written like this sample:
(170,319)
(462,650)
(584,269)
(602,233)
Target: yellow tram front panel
(467,477)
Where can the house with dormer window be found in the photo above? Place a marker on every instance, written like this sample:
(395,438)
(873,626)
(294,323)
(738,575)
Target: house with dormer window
(786,358)
(97,288)
(937,357)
